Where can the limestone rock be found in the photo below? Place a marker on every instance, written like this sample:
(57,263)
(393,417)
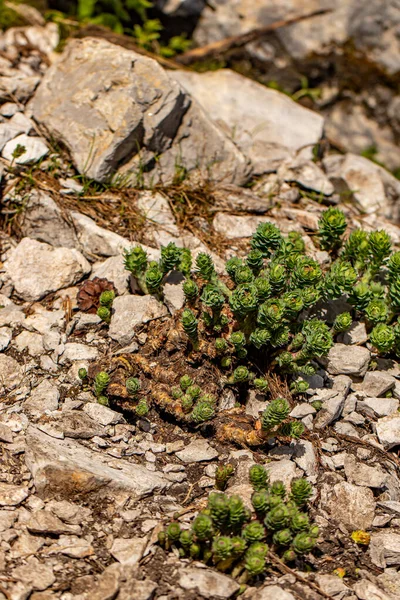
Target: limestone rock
(366,590)
(96,240)
(128,551)
(129,311)
(11,373)
(377,383)
(12,495)
(197,451)
(269,592)
(384,548)
(35,574)
(378,407)
(44,398)
(347,360)
(208,583)
(265,124)
(37,269)
(44,221)
(364,475)
(102,414)
(35,149)
(65,468)
(388,431)
(349,504)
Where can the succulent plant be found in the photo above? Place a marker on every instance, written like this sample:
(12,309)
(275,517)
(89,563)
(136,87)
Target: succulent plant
(205,266)
(142,408)
(104,313)
(342,322)
(383,338)
(258,476)
(377,311)
(132,385)
(261,384)
(253,532)
(301,490)
(267,238)
(135,260)
(255,260)
(203,411)
(203,527)
(243,274)
(226,533)
(193,391)
(300,386)
(82,374)
(380,245)
(190,326)
(275,413)
(190,290)
(101,382)
(243,300)
(332,226)
(170,257)
(240,375)
(88,297)
(271,313)
(303,543)
(222,475)
(278,489)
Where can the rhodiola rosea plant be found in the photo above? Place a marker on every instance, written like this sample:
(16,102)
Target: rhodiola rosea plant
(260,317)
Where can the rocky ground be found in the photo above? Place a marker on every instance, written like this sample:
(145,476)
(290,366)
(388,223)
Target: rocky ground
(201,160)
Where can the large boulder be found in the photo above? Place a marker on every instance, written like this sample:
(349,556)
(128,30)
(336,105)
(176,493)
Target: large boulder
(118,111)
(266,125)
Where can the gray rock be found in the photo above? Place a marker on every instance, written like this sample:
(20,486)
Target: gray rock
(43,399)
(305,457)
(44,522)
(5,337)
(107,586)
(66,468)
(44,221)
(197,451)
(208,583)
(128,551)
(390,582)
(6,434)
(11,315)
(347,360)
(350,505)
(331,410)
(36,575)
(109,122)
(366,590)
(35,149)
(129,311)
(102,414)
(72,546)
(96,240)
(331,585)
(377,383)
(156,209)
(69,512)
(388,431)
(357,334)
(384,549)
(78,425)
(374,190)
(11,373)
(114,270)
(378,407)
(308,175)
(283,470)
(32,342)
(269,592)
(364,475)
(265,124)
(12,495)
(237,226)
(302,410)
(75,351)
(174,298)
(8,131)
(37,269)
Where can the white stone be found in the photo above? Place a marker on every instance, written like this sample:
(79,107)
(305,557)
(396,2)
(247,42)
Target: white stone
(68,468)
(43,399)
(128,551)
(269,592)
(37,269)
(156,209)
(197,451)
(11,373)
(34,146)
(384,548)
(75,351)
(366,590)
(33,342)
(5,337)
(209,584)
(129,311)
(114,270)
(96,240)
(305,457)
(11,495)
(283,470)
(348,360)
(364,475)
(377,383)
(388,431)
(102,414)
(356,335)
(266,125)
(35,574)
(378,407)
(349,504)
